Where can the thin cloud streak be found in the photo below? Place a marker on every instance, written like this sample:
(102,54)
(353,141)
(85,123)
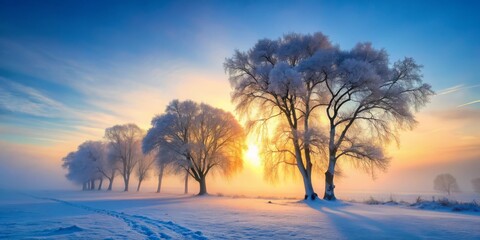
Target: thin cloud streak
(469,103)
(115,93)
(456,88)
(450,89)
(15,97)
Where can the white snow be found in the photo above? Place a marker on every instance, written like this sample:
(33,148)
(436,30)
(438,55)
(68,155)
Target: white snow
(118,215)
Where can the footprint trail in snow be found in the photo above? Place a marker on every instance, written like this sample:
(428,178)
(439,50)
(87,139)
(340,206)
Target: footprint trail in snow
(150,228)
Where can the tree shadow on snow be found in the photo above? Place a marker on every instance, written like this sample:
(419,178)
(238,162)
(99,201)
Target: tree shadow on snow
(359,226)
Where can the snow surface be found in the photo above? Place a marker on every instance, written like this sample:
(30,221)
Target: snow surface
(118,215)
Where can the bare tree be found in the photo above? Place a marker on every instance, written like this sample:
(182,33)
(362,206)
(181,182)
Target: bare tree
(445,183)
(268,90)
(476,184)
(124,140)
(201,139)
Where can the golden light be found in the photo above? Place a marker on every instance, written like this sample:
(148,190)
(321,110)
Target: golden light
(252,155)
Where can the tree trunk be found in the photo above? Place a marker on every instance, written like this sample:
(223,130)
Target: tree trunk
(332,153)
(84,187)
(160,176)
(100,184)
(309,192)
(139,183)
(307,180)
(329,186)
(186,183)
(110,184)
(203,186)
(125,180)
(92,187)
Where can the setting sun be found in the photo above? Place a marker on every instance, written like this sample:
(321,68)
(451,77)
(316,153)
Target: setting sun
(252,155)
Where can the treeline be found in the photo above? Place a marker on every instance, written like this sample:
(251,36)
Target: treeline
(189,139)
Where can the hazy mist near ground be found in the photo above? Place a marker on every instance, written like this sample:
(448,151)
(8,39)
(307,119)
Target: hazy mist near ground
(24,170)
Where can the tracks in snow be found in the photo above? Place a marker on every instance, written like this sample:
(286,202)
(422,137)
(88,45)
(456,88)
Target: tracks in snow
(150,228)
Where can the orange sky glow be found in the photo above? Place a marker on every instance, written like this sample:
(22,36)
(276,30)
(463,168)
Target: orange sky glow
(447,135)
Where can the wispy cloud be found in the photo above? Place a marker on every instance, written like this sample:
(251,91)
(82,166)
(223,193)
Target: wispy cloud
(469,103)
(450,89)
(112,91)
(15,97)
(456,88)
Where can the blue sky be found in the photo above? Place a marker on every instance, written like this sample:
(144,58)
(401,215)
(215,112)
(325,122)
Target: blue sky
(69,69)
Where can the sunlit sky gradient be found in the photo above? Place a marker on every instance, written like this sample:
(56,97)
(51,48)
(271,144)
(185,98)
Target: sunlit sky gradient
(70,69)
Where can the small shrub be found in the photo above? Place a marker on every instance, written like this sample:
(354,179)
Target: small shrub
(444,202)
(372,201)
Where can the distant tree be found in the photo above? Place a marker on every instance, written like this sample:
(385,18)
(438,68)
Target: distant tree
(76,170)
(110,165)
(363,100)
(124,141)
(445,183)
(476,184)
(165,161)
(161,165)
(201,139)
(95,151)
(144,166)
(82,165)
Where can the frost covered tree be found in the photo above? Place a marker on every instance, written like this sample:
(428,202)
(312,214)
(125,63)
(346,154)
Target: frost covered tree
(367,102)
(95,152)
(165,162)
(76,170)
(445,182)
(144,166)
(200,139)
(105,163)
(349,104)
(476,185)
(161,166)
(269,90)
(124,141)
(83,164)
(110,165)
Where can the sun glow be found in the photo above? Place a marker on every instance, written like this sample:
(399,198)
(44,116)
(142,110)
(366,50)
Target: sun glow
(252,155)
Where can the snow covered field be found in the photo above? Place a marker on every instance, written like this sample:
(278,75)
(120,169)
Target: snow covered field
(118,215)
